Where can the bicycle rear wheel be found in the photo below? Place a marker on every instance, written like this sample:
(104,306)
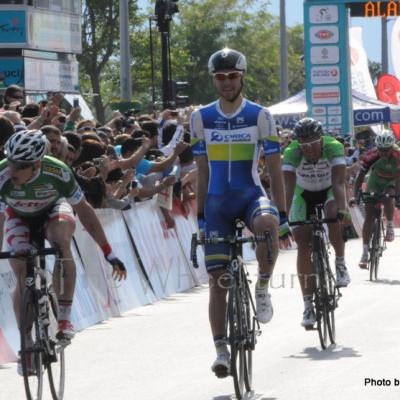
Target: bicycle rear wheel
(235,337)
(31,347)
(56,358)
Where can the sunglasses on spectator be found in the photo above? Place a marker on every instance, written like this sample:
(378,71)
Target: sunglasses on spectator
(307,145)
(20,165)
(13,96)
(87,129)
(221,76)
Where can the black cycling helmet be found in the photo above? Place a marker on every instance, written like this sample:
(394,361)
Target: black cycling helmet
(226,59)
(307,127)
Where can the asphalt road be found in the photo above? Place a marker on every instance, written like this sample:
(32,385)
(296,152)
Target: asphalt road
(164,351)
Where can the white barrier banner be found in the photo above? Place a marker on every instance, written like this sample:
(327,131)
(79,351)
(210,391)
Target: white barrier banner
(144,223)
(396,47)
(135,291)
(9,336)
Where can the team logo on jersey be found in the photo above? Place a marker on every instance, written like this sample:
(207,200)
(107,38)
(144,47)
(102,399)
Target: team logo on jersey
(230,137)
(45,193)
(240,120)
(58,172)
(17,193)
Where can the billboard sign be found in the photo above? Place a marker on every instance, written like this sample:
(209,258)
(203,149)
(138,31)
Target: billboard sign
(11,72)
(12,27)
(50,75)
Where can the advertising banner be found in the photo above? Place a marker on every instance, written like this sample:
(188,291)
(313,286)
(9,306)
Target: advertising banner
(388,89)
(12,28)
(327,64)
(61,34)
(11,72)
(395,47)
(51,75)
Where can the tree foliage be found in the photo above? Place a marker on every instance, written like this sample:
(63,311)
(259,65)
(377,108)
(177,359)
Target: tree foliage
(199,29)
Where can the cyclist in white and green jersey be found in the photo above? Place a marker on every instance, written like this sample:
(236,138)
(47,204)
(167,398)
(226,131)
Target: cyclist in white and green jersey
(314,168)
(40,190)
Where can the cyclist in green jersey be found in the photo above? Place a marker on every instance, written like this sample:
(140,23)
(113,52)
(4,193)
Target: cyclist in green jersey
(314,169)
(38,190)
(383,165)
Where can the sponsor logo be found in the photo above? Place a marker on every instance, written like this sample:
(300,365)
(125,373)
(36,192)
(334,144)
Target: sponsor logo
(335,120)
(324,14)
(326,95)
(324,54)
(46,193)
(319,111)
(43,186)
(78,194)
(230,137)
(324,34)
(240,120)
(27,204)
(50,169)
(17,193)
(324,75)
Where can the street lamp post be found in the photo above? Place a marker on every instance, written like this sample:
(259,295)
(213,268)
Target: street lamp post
(125,67)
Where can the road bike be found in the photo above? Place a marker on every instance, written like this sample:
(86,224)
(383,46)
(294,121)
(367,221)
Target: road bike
(42,348)
(326,294)
(242,326)
(377,242)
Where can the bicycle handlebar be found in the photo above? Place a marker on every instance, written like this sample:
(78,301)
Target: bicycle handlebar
(378,196)
(29,253)
(228,240)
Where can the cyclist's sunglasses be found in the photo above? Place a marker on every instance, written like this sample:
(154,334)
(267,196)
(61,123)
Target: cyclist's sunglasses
(384,149)
(20,165)
(221,76)
(307,145)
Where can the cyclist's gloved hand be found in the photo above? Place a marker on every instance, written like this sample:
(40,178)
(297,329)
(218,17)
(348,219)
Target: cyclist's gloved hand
(344,216)
(119,270)
(201,222)
(284,230)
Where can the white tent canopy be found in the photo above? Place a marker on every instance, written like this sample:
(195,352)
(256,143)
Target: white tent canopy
(366,110)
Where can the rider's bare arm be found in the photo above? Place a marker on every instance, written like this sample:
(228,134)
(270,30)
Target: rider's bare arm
(202,181)
(273,163)
(90,221)
(338,186)
(290,184)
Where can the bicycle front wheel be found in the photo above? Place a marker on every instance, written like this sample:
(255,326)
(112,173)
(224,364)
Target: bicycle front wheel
(374,251)
(31,346)
(236,342)
(56,358)
(325,301)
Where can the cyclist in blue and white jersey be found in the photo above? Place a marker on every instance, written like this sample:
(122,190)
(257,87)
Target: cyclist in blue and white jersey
(228,137)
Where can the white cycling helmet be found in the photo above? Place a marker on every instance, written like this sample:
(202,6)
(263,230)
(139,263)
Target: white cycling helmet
(26,146)
(226,59)
(385,139)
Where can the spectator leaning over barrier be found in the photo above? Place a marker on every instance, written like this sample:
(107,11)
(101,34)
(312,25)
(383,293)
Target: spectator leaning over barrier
(47,195)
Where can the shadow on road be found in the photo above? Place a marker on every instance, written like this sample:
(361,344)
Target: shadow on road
(332,353)
(386,282)
(248,396)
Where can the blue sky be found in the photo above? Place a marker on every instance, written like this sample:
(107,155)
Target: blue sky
(294,15)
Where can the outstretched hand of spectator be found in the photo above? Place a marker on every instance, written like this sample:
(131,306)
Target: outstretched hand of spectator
(74,114)
(180,147)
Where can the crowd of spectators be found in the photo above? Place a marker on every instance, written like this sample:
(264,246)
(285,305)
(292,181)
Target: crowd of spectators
(126,160)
